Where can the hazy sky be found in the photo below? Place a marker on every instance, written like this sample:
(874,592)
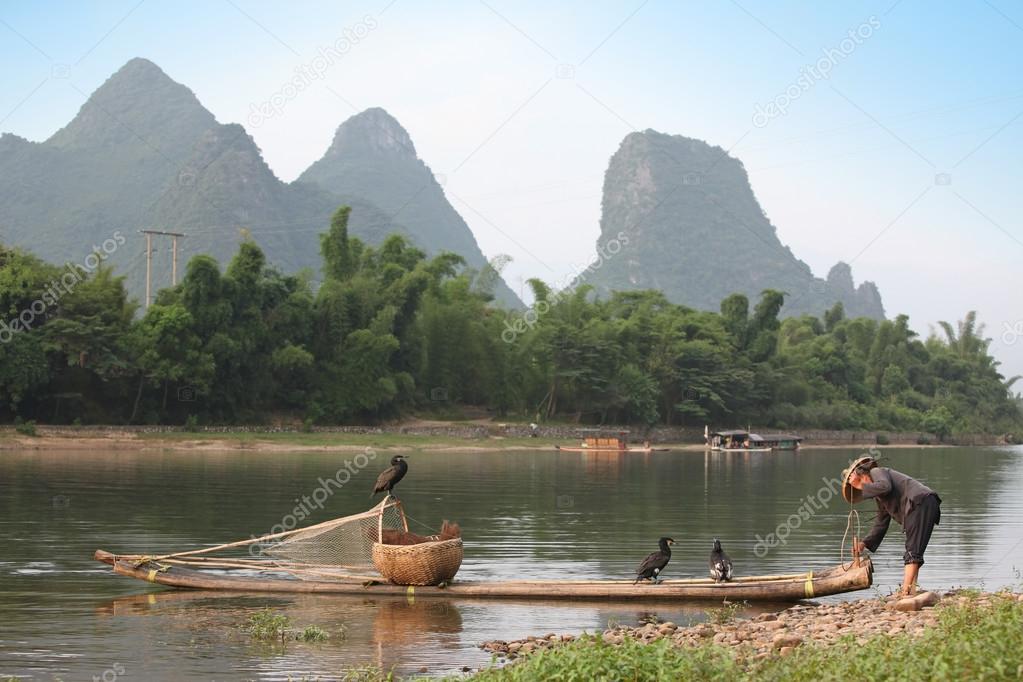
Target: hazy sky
(904,159)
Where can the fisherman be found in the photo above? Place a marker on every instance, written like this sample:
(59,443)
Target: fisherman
(915,506)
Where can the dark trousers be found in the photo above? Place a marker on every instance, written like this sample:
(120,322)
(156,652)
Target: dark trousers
(920,522)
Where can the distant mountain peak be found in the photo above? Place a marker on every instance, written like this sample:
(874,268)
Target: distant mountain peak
(685,219)
(373,131)
(139,103)
(372,159)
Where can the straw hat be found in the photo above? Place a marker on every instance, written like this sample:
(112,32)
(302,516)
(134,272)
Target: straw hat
(849,493)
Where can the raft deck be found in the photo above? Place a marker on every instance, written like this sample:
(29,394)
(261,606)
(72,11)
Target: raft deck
(778,588)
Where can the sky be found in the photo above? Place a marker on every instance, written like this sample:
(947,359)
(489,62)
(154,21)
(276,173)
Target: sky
(884,134)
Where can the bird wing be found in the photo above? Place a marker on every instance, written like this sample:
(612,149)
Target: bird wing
(654,560)
(384,478)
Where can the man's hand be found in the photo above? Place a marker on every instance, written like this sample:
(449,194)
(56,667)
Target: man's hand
(857,480)
(858,547)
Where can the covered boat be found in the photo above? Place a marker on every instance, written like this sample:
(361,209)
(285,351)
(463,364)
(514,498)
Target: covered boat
(737,440)
(605,440)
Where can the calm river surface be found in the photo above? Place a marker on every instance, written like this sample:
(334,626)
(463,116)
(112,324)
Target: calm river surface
(523,514)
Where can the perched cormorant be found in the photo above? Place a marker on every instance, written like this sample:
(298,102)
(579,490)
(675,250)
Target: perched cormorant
(390,476)
(652,566)
(720,563)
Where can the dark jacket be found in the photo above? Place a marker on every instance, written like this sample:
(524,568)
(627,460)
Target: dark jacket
(896,494)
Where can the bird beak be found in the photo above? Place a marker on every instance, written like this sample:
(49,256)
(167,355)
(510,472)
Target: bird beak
(671,542)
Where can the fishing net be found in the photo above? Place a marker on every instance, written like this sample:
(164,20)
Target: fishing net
(341,543)
(335,549)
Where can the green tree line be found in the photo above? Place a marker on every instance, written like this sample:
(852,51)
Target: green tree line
(390,332)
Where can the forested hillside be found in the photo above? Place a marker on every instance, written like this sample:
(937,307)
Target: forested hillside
(391,332)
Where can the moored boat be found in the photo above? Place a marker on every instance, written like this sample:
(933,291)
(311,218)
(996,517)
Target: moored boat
(778,588)
(736,440)
(606,440)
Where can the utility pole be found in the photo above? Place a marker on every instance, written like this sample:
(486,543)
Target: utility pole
(149,259)
(149,266)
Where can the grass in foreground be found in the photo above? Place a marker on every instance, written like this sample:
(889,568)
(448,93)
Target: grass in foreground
(969,643)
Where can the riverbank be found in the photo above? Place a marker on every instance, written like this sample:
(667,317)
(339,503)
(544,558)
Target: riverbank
(412,435)
(968,635)
(47,438)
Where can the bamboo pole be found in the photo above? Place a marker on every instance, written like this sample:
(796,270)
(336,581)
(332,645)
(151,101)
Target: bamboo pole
(830,581)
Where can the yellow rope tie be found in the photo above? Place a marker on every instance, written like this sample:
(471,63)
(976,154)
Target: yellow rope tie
(410,594)
(152,575)
(808,587)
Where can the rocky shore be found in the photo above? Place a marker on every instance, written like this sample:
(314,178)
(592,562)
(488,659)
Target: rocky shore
(770,634)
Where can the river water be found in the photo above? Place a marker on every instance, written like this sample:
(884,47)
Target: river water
(525,514)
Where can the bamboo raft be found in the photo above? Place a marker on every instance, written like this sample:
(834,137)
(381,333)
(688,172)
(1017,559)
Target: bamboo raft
(857,575)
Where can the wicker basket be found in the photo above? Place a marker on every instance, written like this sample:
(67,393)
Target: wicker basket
(427,563)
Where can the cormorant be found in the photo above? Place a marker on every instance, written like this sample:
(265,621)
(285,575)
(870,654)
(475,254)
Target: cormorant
(720,564)
(653,565)
(390,476)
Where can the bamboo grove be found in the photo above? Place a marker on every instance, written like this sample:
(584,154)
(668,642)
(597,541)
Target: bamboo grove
(389,332)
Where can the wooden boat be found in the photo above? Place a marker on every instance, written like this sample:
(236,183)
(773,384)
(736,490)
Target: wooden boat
(774,588)
(607,440)
(583,448)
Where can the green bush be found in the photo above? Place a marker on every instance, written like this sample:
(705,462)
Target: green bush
(882,439)
(268,625)
(27,428)
(313,633)
(192,424)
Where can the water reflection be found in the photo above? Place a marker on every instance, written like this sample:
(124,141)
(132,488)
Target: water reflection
(534,515)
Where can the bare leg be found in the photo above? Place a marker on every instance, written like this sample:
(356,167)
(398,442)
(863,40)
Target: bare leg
(909,577)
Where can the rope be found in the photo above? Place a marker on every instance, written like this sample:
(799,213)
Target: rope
(434,531)
(845,536)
